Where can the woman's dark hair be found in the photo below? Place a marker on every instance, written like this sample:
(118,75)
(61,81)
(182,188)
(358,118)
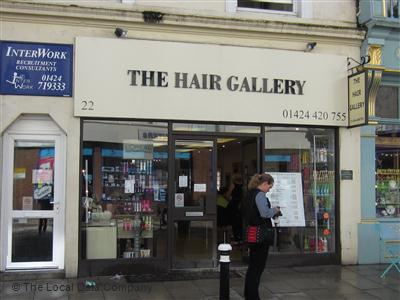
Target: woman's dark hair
(258,179)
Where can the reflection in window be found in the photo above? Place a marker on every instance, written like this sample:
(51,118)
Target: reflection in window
(392,8)
(310,152)
(32,240)
(387,158)
(193,243)
(387,102)
(124,191)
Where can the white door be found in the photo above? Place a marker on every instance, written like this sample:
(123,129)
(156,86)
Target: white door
(33,200)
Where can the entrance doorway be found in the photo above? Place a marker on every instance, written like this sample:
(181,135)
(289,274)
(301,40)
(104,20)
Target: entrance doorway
(237,162)
(33,195)
(210,177)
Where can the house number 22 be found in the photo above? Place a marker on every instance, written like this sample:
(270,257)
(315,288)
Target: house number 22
(87,105)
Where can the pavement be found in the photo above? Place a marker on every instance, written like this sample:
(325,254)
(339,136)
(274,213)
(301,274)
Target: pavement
(312,282)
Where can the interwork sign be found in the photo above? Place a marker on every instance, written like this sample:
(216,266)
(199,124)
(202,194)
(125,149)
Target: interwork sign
(358,108)
(36,69)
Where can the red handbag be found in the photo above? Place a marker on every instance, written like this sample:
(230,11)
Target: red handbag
(259,234)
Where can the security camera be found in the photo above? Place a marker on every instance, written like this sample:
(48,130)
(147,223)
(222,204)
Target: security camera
(311,46)
(120,32)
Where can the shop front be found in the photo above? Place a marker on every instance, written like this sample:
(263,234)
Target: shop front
(171,135)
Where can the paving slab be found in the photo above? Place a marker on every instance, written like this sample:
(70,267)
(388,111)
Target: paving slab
(325,294)
(313,282)
(293,296)
(360,296)
(383,293)
(363,283)
(278,286)
(303,283)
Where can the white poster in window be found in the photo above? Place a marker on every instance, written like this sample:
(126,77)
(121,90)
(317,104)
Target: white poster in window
(129,186)
(42,176)
(200,187)
(287,193)
(183,181)
(27,203)
(179,200)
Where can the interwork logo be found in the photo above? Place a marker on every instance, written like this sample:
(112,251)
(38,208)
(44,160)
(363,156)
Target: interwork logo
(19,81)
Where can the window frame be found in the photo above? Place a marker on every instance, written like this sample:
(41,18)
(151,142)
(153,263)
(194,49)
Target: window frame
(232,6)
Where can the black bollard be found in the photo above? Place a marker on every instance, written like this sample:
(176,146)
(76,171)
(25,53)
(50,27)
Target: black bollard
(224,261)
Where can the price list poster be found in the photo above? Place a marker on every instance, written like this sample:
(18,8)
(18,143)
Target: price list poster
(287,193)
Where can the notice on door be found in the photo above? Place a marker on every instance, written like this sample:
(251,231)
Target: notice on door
(27,203)
(287,193)
(183,181)
(200,187)
(179,200)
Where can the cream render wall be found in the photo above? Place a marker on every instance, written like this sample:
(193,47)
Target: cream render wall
(324,12)
(46,24)
(350,193)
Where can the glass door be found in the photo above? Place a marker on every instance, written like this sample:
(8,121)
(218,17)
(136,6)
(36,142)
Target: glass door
(194,203)
(32,202)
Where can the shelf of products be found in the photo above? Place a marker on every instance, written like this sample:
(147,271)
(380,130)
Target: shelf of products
(388,192)
(319,195)
(312,153)
(132,189)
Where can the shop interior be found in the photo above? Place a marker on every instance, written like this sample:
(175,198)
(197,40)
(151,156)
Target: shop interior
(127,211)
(387,163)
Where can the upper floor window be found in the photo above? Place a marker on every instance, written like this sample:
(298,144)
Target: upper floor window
(286,7)
(387,102)
(392,8)
(273,5)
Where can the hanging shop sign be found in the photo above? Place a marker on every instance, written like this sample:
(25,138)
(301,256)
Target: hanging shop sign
(358,108)
(36,69)
(184,81)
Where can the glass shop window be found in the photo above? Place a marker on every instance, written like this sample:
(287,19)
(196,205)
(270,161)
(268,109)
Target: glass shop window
(302,162)
(387,158)
(124,190)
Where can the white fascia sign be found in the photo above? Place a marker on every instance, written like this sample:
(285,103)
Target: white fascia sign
(201,82)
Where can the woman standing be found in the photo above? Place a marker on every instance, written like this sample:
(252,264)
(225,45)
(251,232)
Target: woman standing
(257,210)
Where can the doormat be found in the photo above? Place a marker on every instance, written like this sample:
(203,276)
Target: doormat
(179,276)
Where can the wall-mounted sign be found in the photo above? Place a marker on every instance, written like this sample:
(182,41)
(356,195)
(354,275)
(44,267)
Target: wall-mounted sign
(346,174)
(187,81)
(36,69)
(358,108)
